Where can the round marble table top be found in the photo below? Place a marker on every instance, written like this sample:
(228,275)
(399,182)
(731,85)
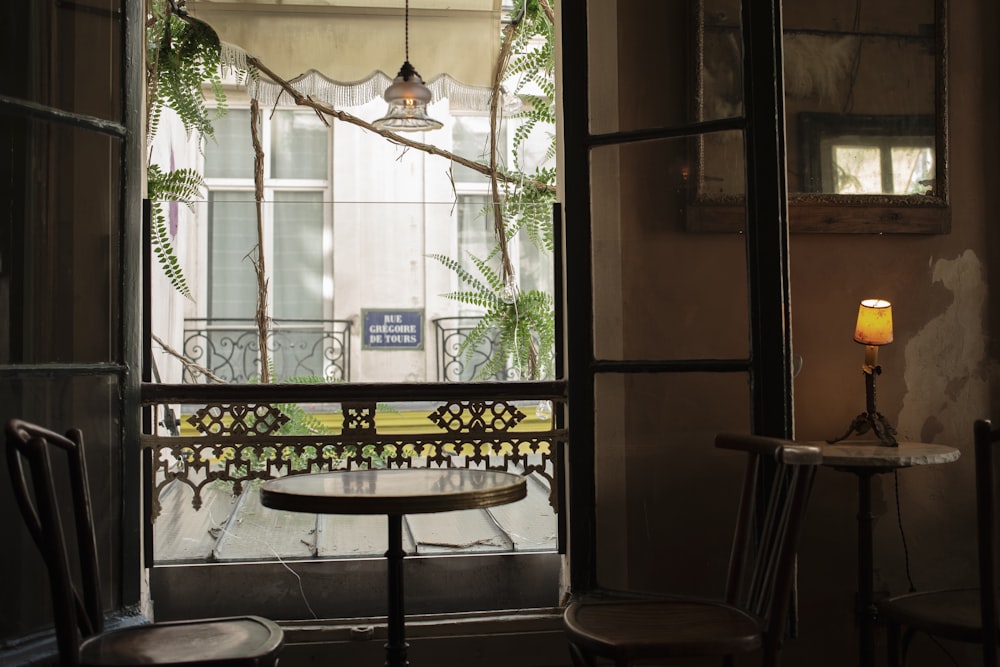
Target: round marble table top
(870,454)
(397,491)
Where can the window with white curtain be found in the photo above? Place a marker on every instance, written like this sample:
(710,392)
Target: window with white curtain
(295,225)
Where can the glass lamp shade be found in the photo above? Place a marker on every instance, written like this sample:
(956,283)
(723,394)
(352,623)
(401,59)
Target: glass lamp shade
(874,325)
(408,98)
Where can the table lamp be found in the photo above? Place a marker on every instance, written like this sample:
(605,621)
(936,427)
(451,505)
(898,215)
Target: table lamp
(874,328)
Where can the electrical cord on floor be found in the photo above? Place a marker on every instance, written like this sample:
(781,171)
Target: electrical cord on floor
(906,561)
(938,643)
(902,533)
(270,547)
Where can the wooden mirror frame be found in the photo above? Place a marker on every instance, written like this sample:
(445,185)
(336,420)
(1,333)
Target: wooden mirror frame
(835,213)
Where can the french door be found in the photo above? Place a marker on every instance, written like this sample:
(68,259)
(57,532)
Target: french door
(71,123)
(673,333)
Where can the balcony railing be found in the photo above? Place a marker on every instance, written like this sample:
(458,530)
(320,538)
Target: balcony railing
(455,364)
(234,435)
(230,349)
(320,349)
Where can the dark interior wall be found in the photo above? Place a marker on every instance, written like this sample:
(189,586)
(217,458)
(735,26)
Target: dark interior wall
(660,490)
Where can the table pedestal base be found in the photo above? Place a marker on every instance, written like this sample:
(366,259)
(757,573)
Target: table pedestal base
(395,647)
(867,612)
(393,492)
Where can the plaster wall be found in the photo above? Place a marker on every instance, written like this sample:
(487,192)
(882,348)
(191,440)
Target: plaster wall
(940,371)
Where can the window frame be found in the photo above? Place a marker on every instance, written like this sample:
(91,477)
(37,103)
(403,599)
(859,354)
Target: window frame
(272,185)
(185,589)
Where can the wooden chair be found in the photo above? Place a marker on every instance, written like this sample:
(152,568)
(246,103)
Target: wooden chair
(957,614)
(79,619)
(753,615)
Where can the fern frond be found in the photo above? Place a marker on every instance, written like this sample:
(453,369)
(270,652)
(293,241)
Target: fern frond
(461,271)
(479,299)
(163,249)
(488,272)
(181,185)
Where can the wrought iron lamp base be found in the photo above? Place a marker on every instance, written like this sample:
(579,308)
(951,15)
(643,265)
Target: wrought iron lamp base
(874,422)
(871,419)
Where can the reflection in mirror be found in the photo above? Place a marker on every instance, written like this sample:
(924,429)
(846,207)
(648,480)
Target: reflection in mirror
(866,154)
(865,116)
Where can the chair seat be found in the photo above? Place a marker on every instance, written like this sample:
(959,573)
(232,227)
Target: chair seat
(953,614)
(635,629)
(244,640)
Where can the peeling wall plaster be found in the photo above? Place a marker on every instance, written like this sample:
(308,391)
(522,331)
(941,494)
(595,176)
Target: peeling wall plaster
(945,362)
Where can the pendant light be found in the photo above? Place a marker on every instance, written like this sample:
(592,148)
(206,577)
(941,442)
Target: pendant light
(407,96)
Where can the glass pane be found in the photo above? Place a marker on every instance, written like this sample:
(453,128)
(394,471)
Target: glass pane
(852,154)
(718,71)
(534,265)
(230,153)
(351,269)
(50,48)
(664,293)
(663,66)
(912,169)
(61,254)
(857,169)
(298,255)
(873,68)
(232,282)
(718,174)
(299,141)
(654,458)
(475,229)
(471,139)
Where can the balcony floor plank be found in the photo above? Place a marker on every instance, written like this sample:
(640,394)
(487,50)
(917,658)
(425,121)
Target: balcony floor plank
(256,532)
(241,529)
(182,534)
(530,523)
(463,531)
(355,536)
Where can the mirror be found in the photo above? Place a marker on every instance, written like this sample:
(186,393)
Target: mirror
(865,117)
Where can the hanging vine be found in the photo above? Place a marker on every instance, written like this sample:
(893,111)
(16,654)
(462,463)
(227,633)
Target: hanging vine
(182,56)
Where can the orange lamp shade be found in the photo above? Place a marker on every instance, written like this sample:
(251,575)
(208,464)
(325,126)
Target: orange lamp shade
(874,322)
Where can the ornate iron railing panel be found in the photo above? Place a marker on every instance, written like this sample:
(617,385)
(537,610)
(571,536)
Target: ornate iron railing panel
(298,349)
(240,442)
(455,364)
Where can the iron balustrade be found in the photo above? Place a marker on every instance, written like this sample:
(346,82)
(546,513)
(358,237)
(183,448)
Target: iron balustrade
(239,433)
(298,349)
(455,362)
(321,349)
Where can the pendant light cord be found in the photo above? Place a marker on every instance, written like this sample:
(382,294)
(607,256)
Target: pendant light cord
(406,32)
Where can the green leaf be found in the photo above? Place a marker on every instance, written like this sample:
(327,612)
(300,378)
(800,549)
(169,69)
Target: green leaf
(164,250)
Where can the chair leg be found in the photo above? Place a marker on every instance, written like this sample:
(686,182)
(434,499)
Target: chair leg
(892,641)
(905,644)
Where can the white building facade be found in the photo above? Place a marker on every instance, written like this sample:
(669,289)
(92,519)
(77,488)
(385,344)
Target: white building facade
(349,225)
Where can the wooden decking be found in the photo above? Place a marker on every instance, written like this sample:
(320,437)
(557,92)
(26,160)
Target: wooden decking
(235,529)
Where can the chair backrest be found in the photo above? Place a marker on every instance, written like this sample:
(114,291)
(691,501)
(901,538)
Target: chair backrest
(74,615)
(776,487)
(986,439)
